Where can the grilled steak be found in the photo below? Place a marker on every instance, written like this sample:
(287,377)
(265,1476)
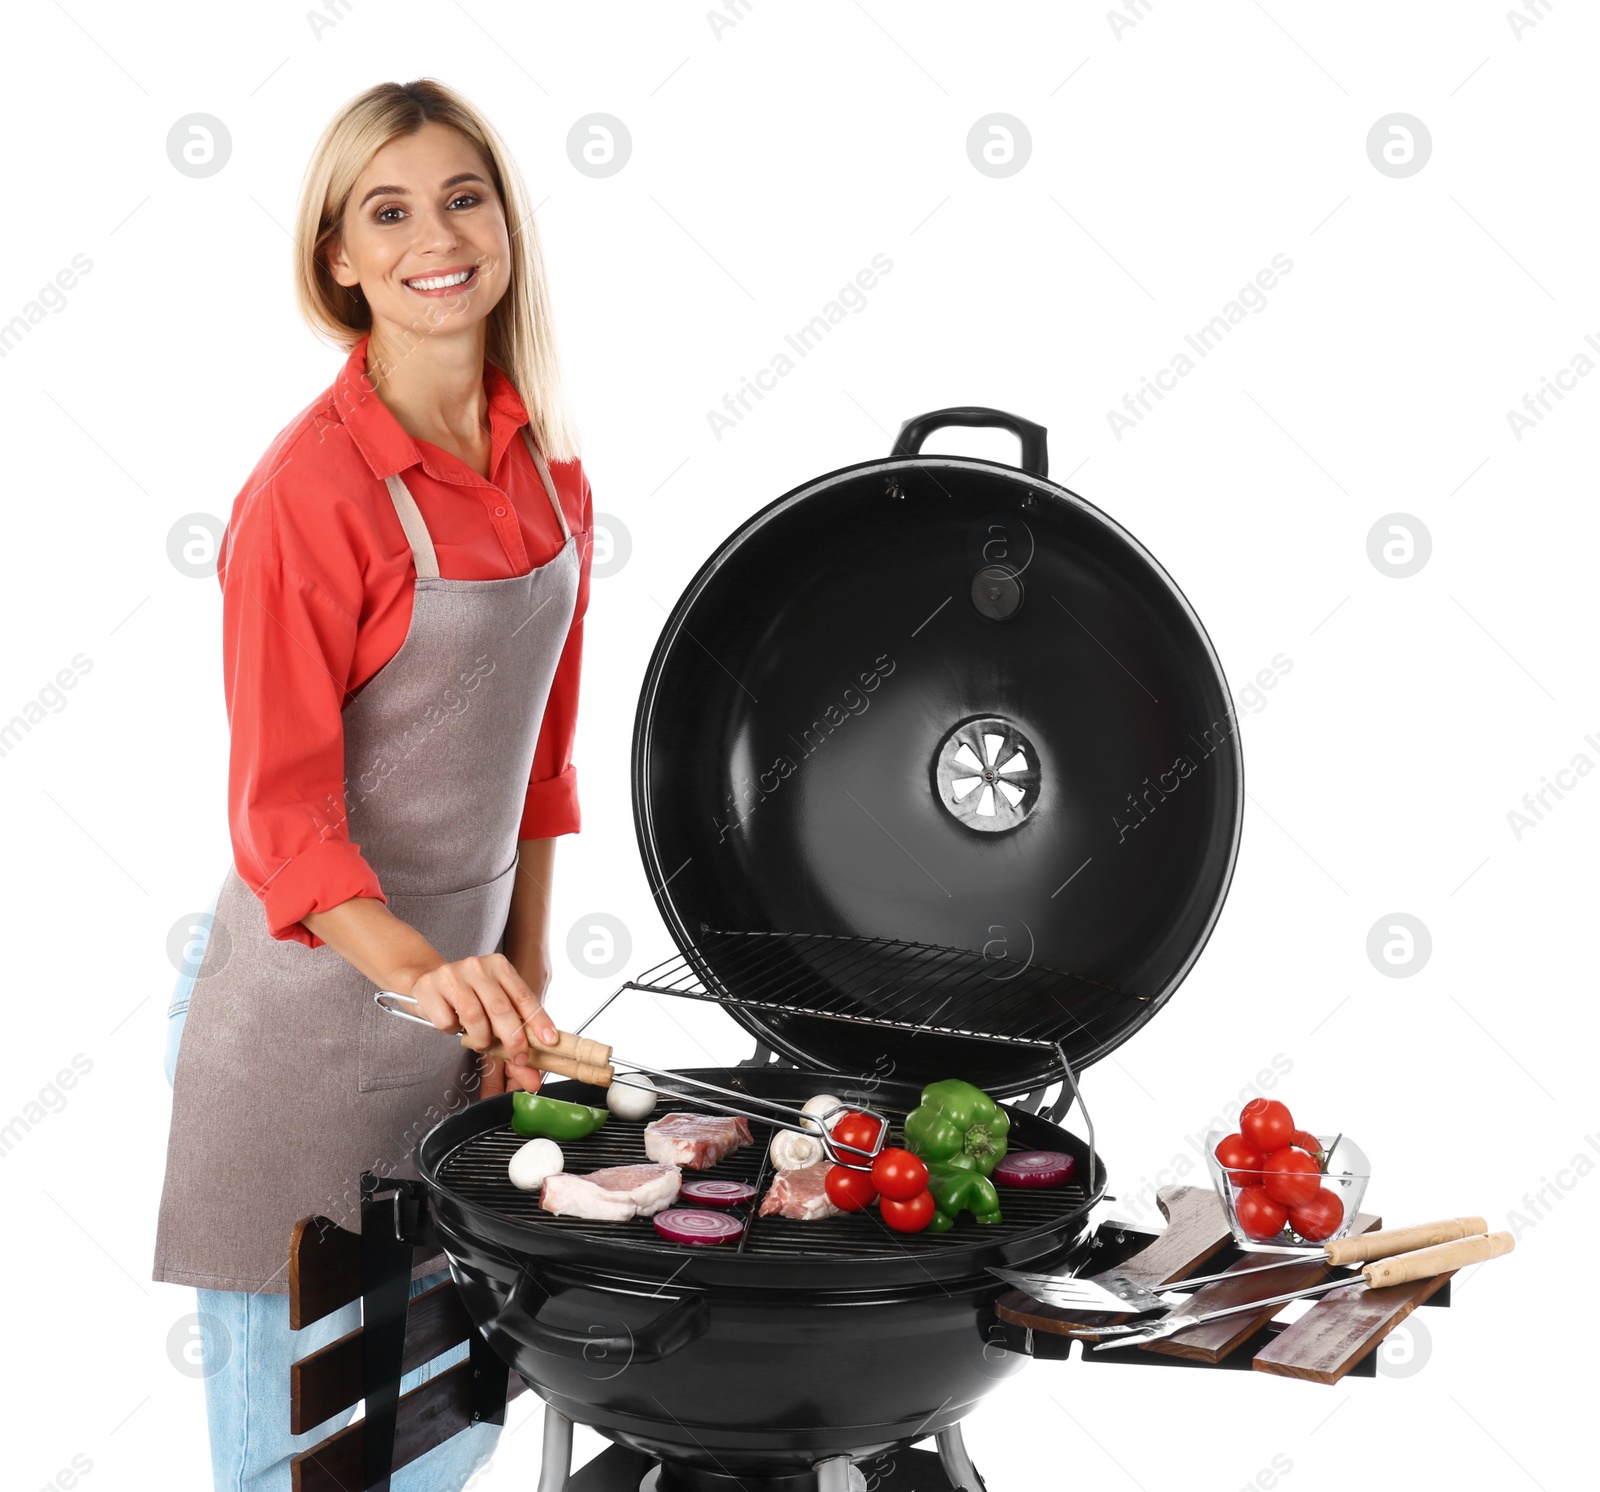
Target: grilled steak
(801,1193)
(614,1194)
(695,1140)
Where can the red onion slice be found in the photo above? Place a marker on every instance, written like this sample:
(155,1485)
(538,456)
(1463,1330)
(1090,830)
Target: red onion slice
(693,1226)
(1035,1168)
(710,1192)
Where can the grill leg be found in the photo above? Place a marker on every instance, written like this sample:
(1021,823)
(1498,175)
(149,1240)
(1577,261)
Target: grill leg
(839,1474)
(956,1462)
(385,1292)
(557,1463)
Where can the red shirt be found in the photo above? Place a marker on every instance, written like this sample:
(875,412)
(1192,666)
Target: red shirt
(317,581)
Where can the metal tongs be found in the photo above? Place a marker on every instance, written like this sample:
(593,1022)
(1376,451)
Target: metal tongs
(590,1061)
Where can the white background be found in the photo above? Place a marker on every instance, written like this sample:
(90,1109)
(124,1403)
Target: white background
(1169,163)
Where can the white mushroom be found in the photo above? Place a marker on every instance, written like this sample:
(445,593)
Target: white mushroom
(790,1150)
(820,1105)
(631,1096)
(533,1162)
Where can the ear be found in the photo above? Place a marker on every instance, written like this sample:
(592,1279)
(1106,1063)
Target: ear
(339,265)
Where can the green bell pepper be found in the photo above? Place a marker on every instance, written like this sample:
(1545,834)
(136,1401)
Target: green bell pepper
(956,1190)
(534,1114)
(958,1124)
(960,1132)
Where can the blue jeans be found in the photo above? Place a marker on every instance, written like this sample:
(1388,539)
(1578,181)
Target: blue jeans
(246,1347)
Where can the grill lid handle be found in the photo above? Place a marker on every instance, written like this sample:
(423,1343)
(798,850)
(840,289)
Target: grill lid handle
(915,431)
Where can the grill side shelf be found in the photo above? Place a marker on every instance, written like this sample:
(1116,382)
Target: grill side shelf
(1336,1337)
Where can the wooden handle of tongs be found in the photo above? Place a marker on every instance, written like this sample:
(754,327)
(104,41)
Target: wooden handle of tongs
(1440,1259)
(580,1057)
(1391,1241)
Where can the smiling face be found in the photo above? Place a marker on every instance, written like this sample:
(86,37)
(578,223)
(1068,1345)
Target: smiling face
(424,236)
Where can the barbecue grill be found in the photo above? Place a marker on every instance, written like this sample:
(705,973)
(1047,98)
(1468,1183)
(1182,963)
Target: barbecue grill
(934,775)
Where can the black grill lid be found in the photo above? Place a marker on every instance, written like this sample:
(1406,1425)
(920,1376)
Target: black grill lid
(952,743)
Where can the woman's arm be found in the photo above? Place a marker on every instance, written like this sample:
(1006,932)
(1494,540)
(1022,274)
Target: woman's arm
(528,925)
(289,630)
(527,946)
(484,995)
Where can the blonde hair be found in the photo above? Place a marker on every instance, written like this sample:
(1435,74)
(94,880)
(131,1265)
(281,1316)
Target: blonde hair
(521,332)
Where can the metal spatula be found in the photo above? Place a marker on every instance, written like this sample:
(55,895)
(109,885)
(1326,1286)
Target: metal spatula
(1118,1295)
(1399,1269)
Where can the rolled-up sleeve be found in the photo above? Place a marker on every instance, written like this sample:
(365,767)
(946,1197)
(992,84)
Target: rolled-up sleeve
(287,649)
(551,807)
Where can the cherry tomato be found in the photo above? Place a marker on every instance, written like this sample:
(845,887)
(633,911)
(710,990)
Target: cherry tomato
(1319,1218)
(1259,1216)
(856,1131)
(1307,1142)
(1265,1124)
(849,1191)
(908,1214)
(899,1176)
(1291,1177)
(1239,1160)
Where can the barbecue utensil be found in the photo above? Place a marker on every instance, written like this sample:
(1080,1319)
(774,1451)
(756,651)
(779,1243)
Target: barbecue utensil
(1116,1294)
(1077,1257)
(1399,1269)
(594,1062)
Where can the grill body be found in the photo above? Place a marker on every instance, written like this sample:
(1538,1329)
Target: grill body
(799,808)
(805,1339)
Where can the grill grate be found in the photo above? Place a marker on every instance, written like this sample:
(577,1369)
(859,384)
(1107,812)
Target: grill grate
(880,982)
(476,1172)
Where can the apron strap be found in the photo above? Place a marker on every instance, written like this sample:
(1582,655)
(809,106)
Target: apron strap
(549,486)
(410,515)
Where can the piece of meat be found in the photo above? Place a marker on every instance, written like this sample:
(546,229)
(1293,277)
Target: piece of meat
(695,1140)
(801,1193)
(577,1196)
(614,1194)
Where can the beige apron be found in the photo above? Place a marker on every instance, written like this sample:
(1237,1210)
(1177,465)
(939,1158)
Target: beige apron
(290,1080)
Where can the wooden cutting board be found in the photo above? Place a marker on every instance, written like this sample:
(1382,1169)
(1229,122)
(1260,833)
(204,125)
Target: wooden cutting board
(1341,1329)
(1216,1339)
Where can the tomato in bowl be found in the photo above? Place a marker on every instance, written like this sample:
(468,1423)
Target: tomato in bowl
(1284,1198)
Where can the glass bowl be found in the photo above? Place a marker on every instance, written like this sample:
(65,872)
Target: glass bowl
(1346,1178)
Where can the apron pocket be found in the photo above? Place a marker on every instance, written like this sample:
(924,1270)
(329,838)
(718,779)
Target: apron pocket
(397,1053)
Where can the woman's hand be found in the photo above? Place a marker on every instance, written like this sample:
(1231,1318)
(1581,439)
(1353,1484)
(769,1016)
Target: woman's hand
(527,939)
(484,996)
(497,1077)
(488,999)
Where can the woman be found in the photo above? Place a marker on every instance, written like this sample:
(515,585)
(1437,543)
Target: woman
(403,578)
